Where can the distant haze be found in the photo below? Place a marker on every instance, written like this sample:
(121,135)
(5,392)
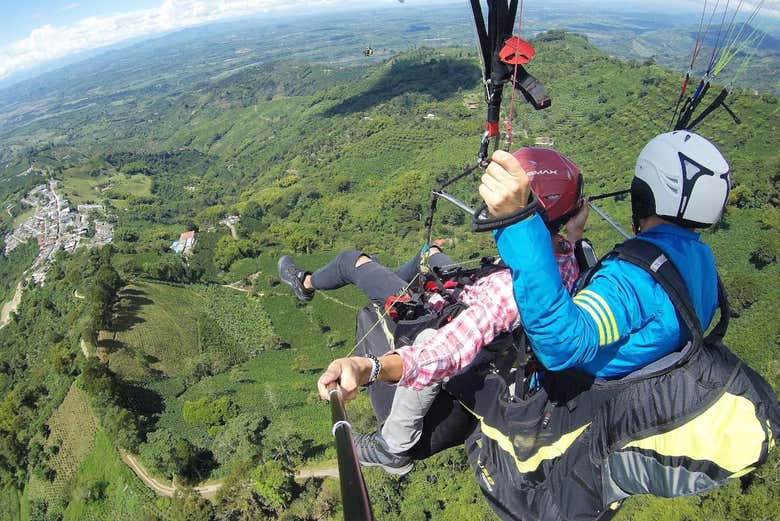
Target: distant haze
(60,30)
(52,40)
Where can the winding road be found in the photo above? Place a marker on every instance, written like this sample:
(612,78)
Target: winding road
(210,490)
(163,489)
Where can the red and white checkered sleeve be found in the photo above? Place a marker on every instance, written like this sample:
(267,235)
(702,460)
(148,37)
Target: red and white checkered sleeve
(491,310)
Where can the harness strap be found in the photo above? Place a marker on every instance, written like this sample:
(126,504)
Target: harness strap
(719,331)
(654,261)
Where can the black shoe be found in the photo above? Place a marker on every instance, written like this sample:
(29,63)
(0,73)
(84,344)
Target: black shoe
(372,452)
(293,277)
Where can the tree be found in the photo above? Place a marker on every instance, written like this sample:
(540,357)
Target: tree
(288,448)
(274,484)
(168,267)
(170,455)
(226,252)
(108,278)
(98,380)
(93,491)
(61,358)
(209,411)
(237,499)
(303,240)
(302,363)
(188,505)
(240,439)
(121,426)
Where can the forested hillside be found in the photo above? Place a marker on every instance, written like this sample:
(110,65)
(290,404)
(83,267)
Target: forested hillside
(203,367)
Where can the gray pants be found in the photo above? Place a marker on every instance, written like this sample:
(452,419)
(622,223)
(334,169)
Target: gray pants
(375,280)
(403,427)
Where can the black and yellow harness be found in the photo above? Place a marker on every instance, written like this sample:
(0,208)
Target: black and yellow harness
(578,446)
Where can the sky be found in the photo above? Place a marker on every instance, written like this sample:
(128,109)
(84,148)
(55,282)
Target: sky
(33,32)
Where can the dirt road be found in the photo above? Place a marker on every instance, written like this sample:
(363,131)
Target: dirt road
(210,490)
(10,306)
(164,489)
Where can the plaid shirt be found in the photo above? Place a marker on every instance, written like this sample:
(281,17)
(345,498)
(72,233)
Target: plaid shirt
(491,310)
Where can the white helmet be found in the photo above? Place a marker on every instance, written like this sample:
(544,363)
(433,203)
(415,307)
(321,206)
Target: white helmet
(681,177)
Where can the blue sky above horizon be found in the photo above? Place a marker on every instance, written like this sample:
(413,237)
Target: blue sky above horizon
(19,18)
(35,32)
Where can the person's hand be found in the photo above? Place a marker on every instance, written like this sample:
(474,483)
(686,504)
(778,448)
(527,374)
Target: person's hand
(505,185)
(575,227)
(348,373)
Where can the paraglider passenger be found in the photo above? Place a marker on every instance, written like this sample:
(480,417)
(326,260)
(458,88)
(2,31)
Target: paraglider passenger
(490,311)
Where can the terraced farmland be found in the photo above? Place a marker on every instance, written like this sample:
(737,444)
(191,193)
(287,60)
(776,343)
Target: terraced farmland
(72,430)
(155,330)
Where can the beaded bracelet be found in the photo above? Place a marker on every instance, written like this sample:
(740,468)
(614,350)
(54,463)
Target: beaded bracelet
(376,367)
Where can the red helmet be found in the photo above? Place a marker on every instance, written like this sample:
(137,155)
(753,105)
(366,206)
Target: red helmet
(555,180)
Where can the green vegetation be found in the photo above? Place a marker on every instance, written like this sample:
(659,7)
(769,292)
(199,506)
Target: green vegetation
(207,382)
(155,330)
(71,438)
(13,266)
(105,488)
(38,362)
(91,183)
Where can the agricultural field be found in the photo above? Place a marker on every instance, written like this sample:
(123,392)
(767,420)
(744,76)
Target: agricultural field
(161,330)
(84,184)
(72,437)
(105,489)
(155,331)
(264,352)
(259,349)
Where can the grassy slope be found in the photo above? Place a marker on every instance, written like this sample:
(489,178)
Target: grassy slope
(156,320)
(79,187)
(88,458)
(126,497)
(73,428)
(265,383)
(157,340)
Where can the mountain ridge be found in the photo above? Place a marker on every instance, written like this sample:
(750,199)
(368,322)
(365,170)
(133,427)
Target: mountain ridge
(205,381)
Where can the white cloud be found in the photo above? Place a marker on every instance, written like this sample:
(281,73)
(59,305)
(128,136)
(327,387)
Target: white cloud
(770,7)
(50,42)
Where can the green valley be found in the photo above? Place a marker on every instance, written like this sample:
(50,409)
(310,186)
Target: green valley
(201,365)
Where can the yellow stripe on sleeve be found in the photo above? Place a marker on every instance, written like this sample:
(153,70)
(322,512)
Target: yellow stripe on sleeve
(594,316)
(607,310)
(595,306)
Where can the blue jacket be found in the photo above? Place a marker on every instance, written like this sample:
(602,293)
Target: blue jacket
(622,320)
